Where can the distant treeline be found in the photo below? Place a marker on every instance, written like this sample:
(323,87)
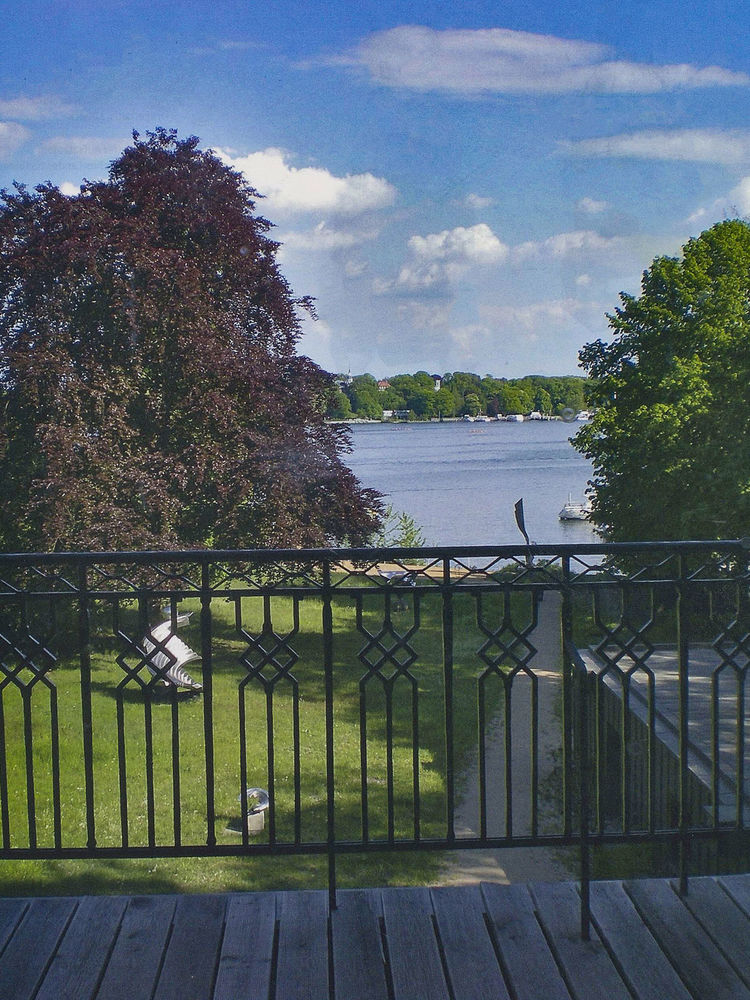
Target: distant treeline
(423,396)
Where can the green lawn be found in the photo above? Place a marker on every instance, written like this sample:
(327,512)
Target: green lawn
(232,688)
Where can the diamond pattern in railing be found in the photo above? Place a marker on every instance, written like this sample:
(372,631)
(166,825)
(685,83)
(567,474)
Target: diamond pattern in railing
(24,661)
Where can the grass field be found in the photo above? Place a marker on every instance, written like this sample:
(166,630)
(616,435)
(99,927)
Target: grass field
(131,729)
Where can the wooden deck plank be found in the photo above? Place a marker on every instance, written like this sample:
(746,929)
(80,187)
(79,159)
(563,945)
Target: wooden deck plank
(302,968)
(467,948)
(738,887)
(586,965)
(246,961)
(645,968)
(11,914)
(358,960)
(528,963)
(32,946)
(685,942)
(80,960)
(723,920)
(137,955)
(193,949)
(416,969)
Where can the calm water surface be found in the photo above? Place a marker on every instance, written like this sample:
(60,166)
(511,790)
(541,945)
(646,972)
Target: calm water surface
(460,481)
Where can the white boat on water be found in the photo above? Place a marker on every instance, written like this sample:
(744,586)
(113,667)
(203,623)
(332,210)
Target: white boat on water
(575,510)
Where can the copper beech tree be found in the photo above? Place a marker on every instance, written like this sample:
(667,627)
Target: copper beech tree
(152,394)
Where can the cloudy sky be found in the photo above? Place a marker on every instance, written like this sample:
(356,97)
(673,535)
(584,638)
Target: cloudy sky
(462,186)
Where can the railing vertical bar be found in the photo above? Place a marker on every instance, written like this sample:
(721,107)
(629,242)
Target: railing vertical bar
(363,762)
(28,739)
(84,651)
(297,762)
(242,724)
(176,794)
(566,617)
(585,849)
(122,766)
(450,788)
(390,808)
(625,769)
(740,745)
(330,756)
(4,797)
(507,691)
(207,664)
(682,658)
(415,757)
(651,756)
(148,723)
(715,784)
(534,737)
(481,736)
(269,685)
(271,766)
(55,753)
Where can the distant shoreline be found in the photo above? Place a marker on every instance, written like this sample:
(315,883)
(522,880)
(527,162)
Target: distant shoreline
(446,420)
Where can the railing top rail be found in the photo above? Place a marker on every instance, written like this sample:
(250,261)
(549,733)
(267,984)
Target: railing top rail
(379,553)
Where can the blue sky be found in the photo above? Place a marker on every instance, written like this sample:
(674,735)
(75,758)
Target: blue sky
(461,186)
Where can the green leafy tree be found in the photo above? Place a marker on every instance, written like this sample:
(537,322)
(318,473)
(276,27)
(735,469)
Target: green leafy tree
(670,441)
(365,397)
(444,403)
(398,530)
(151,392)
(339,407)
(542,400)
(472,406)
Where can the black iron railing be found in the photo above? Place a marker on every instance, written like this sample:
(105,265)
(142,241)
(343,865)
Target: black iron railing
(334,701)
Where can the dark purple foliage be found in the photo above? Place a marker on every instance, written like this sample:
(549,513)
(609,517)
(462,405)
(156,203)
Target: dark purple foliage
(152,396)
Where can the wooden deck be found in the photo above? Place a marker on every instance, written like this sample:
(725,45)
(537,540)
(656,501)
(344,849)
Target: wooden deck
(475,942)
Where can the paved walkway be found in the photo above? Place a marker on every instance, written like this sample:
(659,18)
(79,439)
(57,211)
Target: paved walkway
(519,864)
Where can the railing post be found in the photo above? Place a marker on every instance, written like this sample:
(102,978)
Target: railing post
(330,760)
(84,650)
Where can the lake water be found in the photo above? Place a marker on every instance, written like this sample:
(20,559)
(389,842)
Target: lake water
(460,481)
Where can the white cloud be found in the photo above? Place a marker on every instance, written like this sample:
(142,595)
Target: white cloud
(591,206)
(432,316)
(735,204)
(476,201)
(470,338)
(33,109)
(442,258)
(310,189)
(699,145)
(322,237)
(12,135)
(565,244)
(477,244)
(355,268)
(70,190)
(536,319)
(85,147)
(583,280)
(499,60)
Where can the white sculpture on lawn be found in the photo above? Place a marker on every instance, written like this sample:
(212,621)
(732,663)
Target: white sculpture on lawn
(172,655)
